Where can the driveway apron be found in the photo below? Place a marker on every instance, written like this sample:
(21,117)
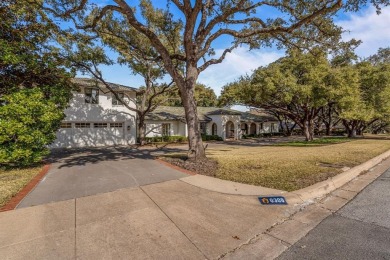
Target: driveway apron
(85,172)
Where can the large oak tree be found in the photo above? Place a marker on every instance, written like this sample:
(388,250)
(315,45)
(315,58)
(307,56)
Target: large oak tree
(204,22)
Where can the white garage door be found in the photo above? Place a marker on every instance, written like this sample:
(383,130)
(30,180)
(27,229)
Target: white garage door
(82,134)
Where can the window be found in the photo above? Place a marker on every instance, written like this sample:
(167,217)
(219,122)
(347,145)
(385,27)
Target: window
(116,125)
(261,126)
(100,125)
(166,129)
(115,101)
(92,95)
(82,125)
(272,127)
(214,129)
(66,125)
(203,128)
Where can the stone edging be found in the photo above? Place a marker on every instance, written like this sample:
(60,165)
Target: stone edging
(15,200)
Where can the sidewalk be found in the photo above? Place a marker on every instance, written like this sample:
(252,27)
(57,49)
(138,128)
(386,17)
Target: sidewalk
(169,220)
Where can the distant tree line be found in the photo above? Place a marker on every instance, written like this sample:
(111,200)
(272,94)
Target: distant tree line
(316,93)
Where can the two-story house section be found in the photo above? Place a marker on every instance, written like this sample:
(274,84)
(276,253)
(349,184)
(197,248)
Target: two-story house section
(96,118)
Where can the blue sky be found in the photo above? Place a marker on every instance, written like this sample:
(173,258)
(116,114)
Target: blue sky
(372,29)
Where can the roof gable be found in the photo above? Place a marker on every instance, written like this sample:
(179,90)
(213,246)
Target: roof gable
(88,82)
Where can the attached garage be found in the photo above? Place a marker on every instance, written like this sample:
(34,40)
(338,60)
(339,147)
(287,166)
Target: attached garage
(87,134)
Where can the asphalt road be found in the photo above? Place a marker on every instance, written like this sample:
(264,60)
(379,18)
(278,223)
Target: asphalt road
(359,230)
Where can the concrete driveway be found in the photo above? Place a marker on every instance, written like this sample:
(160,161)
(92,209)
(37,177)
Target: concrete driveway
(78,173)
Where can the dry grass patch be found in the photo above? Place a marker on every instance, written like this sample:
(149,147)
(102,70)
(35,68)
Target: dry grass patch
(12,181)
(292,168)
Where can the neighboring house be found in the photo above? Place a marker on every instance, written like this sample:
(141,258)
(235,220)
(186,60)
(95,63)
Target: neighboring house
(96,118)
(226,123)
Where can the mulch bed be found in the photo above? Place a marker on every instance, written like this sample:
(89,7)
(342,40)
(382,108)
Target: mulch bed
(205,167)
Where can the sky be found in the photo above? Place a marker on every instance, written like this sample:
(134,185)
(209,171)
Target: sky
(366,25)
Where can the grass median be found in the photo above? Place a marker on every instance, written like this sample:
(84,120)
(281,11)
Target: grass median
(13,180)
(292,166)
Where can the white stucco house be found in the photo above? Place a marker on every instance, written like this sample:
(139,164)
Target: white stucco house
(224,122)
(96,118)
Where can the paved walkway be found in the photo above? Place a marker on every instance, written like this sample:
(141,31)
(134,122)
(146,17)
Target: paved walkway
(360,230)
(83,172)
(169,220)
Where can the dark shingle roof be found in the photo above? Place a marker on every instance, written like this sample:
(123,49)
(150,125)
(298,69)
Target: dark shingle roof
(88,82)
(177,113)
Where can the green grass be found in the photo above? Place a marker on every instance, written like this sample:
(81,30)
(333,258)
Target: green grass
(291,167)
(13,180)
(316,142)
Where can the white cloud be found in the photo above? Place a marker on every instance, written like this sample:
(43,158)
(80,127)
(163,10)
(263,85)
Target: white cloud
(372,29)
(239,62)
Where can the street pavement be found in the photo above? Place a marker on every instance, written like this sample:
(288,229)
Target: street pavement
(359,230)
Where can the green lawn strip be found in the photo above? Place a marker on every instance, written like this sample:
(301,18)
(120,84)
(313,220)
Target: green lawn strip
(292,168)
(316,142)
(13,180)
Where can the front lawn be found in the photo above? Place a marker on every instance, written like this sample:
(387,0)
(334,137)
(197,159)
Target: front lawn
(13,180)
(316,142)
(291,167)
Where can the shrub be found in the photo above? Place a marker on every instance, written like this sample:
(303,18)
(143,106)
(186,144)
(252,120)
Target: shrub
(28,123)
(161,139)
(211,138)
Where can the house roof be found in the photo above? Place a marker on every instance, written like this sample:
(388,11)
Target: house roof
(177,113)
(88,82)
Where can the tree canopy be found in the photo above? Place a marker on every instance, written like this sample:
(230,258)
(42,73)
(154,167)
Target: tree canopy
(34,85)
(204,96)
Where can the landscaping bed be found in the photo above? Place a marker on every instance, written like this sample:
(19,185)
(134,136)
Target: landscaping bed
(287,167)
(13,180)
(205,167)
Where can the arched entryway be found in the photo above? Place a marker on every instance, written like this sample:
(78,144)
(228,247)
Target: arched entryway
(253,129)
(244,128)
(214,129)
(229,129)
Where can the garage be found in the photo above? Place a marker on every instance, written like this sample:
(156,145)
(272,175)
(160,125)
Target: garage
(87,134)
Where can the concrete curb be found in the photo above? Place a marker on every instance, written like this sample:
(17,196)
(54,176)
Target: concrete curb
(306,194)
(325,187)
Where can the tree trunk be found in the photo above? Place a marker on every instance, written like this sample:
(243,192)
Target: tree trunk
(328,130)
(307,131)
(352,133)
(141,130)
(196,149)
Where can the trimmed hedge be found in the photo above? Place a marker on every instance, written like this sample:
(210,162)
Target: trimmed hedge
(165,139)
(262,135)
(211,138)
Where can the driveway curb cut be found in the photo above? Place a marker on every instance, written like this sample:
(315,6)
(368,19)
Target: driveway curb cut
(15,200)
